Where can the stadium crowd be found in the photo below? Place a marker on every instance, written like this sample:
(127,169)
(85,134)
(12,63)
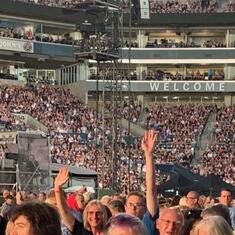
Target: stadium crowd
(230,7)
(75,137)
(164,6)
(180,127)
(160,75)
(219,158)
(103,42)
(89,42)
(192,6)
(76,134)
(133,214)
(53,3)
(70,131)
(78,137)
(21,33)
(172,43)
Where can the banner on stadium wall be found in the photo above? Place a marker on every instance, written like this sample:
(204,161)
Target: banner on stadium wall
(19,45)
(170,86)
(188,86)
(8,137)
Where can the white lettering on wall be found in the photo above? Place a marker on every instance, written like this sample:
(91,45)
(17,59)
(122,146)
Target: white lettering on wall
(154,86)
(175,87)
(210,86)
(221,86)
(197,86)
(166,86)
(216,86)
(186,86)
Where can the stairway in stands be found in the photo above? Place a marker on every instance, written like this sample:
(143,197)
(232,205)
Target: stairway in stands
(205,139)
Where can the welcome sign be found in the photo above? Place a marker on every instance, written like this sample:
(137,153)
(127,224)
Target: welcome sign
(166,86)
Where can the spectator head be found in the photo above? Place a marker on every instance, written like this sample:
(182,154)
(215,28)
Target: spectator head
(7,207)
(105,200)
(233,203)
(201,200)
(94,215)
(175,201)
(10,200)
(13,193)
(42,197)
(5,193)
(135,204)
(182,202)
(116,207)
(88,196)
(32,196)
(214,201)
(213,225)
(225,197)
(170,221)
(192,200)
(208,201)
(124,224)
(219,210)
(35,218)
(116,196)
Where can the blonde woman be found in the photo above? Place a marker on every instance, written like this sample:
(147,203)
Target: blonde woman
(94,214)
(95,217)
(213,225)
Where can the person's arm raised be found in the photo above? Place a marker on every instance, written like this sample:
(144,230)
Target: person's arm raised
(67,217)
(147,144)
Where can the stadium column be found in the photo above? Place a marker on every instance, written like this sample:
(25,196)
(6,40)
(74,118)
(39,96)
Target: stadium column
(82,71)
(58,76)
(228,100)
(142,38)
(13,70)
(141,71)
(76,35)
(229,73)
(227,38)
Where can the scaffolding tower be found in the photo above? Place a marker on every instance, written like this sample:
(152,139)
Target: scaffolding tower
(105,50)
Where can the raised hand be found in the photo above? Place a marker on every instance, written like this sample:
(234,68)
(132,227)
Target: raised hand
(62,177)
(19,199)
(148,142)
(83,189)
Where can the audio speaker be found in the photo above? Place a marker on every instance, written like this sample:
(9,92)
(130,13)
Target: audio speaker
(140,9)
(144,9)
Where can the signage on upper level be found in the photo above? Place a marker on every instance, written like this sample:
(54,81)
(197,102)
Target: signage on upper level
(188,86)
(168,86)
(18,45)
